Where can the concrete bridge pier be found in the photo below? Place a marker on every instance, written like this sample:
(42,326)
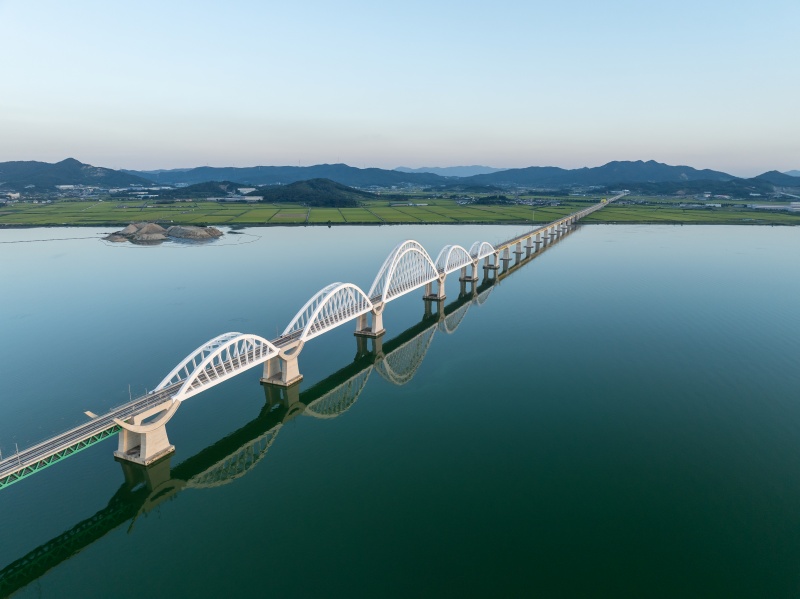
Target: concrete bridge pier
(467,286)
(364,329)
(440,294)
(490,263)
(518,252)
(472,276)
(283,370)
(506,259)
(145,442)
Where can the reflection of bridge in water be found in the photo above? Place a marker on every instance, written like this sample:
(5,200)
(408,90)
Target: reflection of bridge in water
(141,423)
(145,487)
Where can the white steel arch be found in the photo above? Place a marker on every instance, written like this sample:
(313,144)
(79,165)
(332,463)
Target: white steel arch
(407,267)
(481,249)
(331,306)
(451,258)
(216,361)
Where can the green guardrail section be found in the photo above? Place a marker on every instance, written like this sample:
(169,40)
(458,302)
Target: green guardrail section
(32,469)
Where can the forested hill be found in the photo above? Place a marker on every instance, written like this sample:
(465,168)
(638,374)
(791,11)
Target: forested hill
(314,192)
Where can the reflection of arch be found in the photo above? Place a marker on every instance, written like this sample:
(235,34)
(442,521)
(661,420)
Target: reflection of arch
(328,308)
(407,267)
(450,323)
(216,361)
(451,258)
(399,366)
(483,296)
(237,464)
(481,249)
(339,399)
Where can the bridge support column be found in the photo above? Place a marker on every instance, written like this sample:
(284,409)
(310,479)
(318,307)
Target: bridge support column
(465,283)
(439,295)
(283,370)
(376,330)
(518,253)
(506,259)
(473,276)
(144,443)
(490,263)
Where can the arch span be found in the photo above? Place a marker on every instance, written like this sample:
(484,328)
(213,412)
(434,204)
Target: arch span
(451,258)
(481,249)
(331,306)
(407,267)
(216,361)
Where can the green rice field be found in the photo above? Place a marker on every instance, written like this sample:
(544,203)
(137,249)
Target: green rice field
(113,213)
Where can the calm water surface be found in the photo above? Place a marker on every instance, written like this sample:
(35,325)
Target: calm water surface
(620,417)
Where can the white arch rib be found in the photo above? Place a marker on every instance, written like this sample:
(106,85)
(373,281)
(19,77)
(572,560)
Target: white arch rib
(217,360)
(407,267)
(451,258)
(330,307)
(481,249)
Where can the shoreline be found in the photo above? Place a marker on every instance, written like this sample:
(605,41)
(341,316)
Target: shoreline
(238,226)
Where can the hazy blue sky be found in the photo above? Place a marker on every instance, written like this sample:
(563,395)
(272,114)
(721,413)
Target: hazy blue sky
(571,83)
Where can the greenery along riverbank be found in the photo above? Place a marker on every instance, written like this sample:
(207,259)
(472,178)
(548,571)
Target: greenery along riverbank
(379,211)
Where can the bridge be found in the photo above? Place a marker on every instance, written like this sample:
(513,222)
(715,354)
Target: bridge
(141,423)
(237,454)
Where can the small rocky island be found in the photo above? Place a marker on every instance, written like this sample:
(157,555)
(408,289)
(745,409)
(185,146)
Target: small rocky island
(145,233)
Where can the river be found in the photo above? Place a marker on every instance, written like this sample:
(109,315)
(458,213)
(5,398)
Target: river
(618,417)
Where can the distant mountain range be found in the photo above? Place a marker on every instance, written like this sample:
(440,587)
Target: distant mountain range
(18,175)
(534,176)
(452,171)
(608,174)
(792,173)
(650,175)
(283,175)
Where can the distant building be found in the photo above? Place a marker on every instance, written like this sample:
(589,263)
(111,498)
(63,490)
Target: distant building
(768,206)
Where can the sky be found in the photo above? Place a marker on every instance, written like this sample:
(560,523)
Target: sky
(148,85)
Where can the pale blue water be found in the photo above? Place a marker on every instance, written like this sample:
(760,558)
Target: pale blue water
(619,418)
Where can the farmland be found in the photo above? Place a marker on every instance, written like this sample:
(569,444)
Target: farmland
(439,210)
